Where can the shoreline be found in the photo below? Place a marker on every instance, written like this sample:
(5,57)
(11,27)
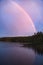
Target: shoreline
(37,38)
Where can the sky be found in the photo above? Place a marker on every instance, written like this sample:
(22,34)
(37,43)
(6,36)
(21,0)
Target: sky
(34,8)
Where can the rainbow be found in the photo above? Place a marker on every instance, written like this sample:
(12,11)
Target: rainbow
(20,22)
(25,13)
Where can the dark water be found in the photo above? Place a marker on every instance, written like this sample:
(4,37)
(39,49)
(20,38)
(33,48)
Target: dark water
(16,54)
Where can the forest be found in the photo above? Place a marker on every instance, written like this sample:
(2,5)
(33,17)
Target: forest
(37,38)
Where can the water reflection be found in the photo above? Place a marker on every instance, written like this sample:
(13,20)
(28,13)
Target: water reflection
(38,60)
(16,54)
(37,48)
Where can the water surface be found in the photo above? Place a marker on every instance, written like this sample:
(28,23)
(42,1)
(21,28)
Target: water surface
(16,54)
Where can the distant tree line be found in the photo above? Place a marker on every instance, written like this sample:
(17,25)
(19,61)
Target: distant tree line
(37,38)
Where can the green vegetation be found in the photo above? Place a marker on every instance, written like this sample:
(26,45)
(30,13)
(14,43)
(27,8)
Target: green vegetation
(35,41)
(37,48)
(37,38)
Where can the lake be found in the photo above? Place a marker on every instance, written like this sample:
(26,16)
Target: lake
(17,54)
